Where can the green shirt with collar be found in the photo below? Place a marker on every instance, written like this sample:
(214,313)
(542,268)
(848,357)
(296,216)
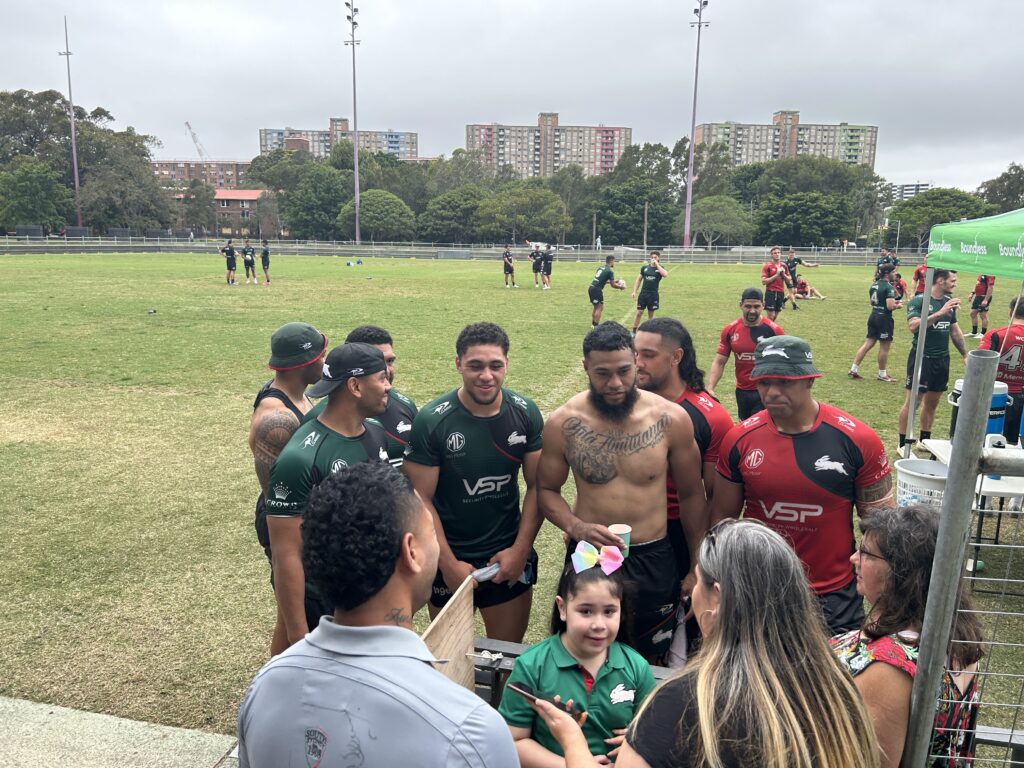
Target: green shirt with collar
(621,685)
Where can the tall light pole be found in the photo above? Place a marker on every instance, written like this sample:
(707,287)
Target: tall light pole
(699,23)
(66,53)
(352,11)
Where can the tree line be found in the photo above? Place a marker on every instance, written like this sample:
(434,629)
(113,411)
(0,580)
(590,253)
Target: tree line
(802,201)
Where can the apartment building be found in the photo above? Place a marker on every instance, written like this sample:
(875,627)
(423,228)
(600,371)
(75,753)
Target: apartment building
(403,144)
(544,149)
(222,174)
(236,211)
(907,191)
(786,136)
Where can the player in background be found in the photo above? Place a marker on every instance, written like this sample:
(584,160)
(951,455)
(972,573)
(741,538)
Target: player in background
(805,290)
(980,303)
(230,261)
(605,274)
(792,262)
(880,324)
(508,264)
(919,275)
(775,279)
(647,283)
(1008,341)
(740,337)
(900,286)
(537,262)
(547,263)
(265,259)
(249,261)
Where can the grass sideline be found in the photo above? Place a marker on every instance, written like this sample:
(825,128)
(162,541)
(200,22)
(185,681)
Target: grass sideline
(133,584)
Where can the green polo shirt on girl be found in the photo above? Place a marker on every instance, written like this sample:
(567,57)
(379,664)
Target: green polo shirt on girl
(621,685)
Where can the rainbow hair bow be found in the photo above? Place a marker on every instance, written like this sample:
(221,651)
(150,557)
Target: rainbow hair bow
(587,556)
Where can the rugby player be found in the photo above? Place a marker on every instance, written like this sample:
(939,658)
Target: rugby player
(791,262)
(648,282)
(230,261)
(537,262)
(775,279)
(547,262)
(249,261)
(980,303)
(604,275)
(880,324)
(919,275)
(1008,341)
(265,259)
(509,267)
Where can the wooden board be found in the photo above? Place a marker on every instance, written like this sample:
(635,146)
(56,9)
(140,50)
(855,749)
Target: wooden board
(450,636)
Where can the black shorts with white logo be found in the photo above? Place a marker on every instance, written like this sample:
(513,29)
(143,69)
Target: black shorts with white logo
(509,270)
(487,593)
(596,295)
(880,326)
(647,301)
(934,373)
(774,301)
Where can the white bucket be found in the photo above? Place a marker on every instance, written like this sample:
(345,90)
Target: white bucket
(920,481)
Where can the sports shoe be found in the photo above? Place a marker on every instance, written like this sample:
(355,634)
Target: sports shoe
(854,375)
(514,285)
(507,285)
(887,379)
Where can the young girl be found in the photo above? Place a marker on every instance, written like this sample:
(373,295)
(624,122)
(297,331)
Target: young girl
(581,661)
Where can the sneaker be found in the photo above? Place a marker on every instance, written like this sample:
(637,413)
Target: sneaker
(886,379)
(507,285)
(514,285)
(854,375)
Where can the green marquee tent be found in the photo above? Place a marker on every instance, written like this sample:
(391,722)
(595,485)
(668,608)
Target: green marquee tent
(993,245)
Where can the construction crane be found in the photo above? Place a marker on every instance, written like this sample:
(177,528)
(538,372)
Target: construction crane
(199,145)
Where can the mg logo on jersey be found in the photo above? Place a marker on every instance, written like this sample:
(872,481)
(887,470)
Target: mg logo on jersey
(442,407)
(754,459)
(403,426)
(311,439)
(825,463)
(338,465)
(516,439)
(791,511)
(456,442)
(490,484)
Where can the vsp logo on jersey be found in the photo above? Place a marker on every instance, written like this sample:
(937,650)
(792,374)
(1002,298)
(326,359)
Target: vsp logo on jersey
(791,511)
(754,459)
(456,442)
(746,356)
(516,439)
(942,325)
(490,484)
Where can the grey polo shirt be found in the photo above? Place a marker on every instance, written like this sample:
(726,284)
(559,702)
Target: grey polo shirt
(365,696)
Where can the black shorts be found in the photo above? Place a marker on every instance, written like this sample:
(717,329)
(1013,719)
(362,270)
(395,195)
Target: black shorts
(774,301)
(546,268)
(266,263)
(509,270)
(677,538)
(647,301)
(748,402)
(880,326)
(232,264)
(843,609)
(536,266)
(596,295)
(1011,424)
(262,531)
(976,303)
(934,373)
(487,594)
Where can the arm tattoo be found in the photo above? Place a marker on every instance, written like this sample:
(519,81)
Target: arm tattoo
(871,495)
(272,434)
(591,454)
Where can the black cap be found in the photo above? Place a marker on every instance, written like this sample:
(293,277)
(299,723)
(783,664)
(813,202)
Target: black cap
(346,361)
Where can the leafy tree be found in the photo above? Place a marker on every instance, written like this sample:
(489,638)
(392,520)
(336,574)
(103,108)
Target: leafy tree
(745,182)
(620,210)
(938,205)
(1005,191)
(267,213)
(281,169)
(382,216)
(712,170)
(371,174)
(716,217)
(679,158)
(462,168)
(449,217)
(37,124)
(802,219)
(31,193)
(197,207)
(521,212)
(644,161)
(407,180)
(125,193)
(311,206)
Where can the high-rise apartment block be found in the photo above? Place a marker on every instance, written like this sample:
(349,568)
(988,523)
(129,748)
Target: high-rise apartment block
(546,148)
(907,191)
(403,144)
(786,136)
(222,174)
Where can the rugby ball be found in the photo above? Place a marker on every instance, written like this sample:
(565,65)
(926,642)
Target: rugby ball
(620,283)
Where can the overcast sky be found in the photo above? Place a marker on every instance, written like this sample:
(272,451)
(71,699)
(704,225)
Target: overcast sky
(938,78)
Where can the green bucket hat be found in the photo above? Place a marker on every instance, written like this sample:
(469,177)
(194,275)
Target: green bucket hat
(783,357)
(295,345)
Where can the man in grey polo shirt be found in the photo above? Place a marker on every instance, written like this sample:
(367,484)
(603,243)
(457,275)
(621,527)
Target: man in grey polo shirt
(360,689)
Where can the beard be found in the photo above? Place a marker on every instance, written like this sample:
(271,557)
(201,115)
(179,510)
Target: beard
(613,412)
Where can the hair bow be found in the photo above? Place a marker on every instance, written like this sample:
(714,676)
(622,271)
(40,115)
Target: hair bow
(587,556)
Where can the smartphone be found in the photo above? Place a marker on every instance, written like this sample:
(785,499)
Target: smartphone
(531,695)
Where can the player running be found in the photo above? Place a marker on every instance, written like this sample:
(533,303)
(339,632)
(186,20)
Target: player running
(979,304)
(775,279)
(880,324)
(741,337)
(603,275)
(647,282)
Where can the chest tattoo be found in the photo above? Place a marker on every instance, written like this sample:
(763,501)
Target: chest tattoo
(591,454)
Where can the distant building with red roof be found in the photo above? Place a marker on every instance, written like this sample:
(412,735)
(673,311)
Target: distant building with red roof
(236,211)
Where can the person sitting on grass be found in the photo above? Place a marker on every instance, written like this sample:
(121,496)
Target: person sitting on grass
(805,290)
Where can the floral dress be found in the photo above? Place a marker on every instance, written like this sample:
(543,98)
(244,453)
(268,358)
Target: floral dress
(956,712)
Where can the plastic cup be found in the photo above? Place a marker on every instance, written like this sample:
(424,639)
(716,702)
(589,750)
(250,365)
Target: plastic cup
(623,531)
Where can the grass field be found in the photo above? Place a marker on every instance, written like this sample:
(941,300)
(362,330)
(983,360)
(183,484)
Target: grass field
(132,582)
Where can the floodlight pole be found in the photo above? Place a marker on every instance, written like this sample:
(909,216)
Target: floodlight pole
(699,13)
(66,53)
(355,115)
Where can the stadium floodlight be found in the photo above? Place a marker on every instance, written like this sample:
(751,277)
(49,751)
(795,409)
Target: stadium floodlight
(699,24)
(351,19)
(66,53)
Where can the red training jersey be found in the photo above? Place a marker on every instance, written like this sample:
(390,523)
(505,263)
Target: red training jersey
(919,275)
(802,286)
(778,284)
(742,340)
(1009,343)
(804,486)
(982,285)
(711,422)
(901,288)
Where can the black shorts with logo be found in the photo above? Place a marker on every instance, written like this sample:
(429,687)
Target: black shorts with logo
(774,301)
(596,295)
(647,301)
(487,593)
(509,270)
(880,326)
(934,373)
(748,402)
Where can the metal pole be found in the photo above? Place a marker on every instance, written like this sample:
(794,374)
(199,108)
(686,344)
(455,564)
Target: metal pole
(701,4)
(645,226)
(355,115)
(926,305)
(897,249)
(66,53)
(593,233)
(955,519)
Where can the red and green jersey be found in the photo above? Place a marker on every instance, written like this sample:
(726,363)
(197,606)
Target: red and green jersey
(1009,343)
(741,340)
(778,284)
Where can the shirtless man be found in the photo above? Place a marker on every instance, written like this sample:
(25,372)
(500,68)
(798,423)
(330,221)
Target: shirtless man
(620,443)
(296,349)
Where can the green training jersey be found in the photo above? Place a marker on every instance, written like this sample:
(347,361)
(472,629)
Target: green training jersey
(477,496)
(603,275)
(396,420)
(879,292)
(651,279)
(936,341)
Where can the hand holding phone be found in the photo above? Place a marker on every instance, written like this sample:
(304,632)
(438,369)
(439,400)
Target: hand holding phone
(529,694)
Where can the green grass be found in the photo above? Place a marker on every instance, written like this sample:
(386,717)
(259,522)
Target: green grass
(132,581)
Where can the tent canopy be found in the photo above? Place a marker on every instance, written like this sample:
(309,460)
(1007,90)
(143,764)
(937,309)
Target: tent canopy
(993,245)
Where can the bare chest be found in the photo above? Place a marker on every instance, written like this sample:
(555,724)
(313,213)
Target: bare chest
(600,453)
